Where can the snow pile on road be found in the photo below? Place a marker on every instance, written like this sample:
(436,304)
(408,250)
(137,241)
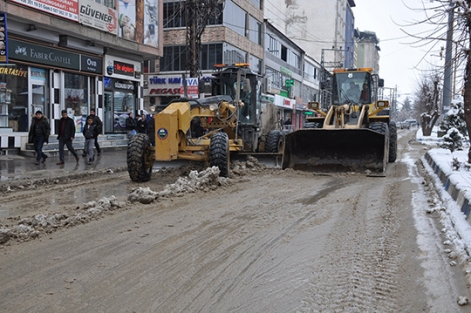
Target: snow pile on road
(29,228)
(251,164)
(196,181)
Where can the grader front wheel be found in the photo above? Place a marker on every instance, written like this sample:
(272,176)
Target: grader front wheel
(139,158)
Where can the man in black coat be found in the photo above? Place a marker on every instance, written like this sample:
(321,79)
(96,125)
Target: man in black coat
(39,134)
(99,125)
(66,134)
(131,125)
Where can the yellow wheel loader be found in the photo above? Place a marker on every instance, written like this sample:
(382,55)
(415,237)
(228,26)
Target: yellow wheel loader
(355,133)
(207,129)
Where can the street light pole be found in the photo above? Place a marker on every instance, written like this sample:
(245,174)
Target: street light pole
(448,60)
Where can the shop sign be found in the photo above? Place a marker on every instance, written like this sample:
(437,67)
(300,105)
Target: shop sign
(284,102)
(98,16)
(286,72)
(3,38)
(125,86)
(13,71)
(91,64)
(123,68)
(63,8)
(172,85)
(24,51)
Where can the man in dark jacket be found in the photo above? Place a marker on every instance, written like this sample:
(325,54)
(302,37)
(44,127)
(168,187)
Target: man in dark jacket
(131,125)
(99,125)
(66,134)
(39,134)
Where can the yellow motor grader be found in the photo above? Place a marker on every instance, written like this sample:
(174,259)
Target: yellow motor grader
(355,133)
(207,129)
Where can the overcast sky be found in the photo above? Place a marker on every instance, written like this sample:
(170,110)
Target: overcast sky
(400,62)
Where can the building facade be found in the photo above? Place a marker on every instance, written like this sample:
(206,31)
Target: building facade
(73,56)
(232,36)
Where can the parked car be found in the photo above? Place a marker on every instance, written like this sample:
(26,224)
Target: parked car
(412,122)
(404,125)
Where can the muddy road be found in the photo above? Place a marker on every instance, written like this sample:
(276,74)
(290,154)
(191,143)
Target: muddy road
(267,241)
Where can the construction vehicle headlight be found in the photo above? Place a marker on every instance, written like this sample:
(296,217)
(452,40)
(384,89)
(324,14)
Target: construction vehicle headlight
(382,104)
(213,107)
(313,105)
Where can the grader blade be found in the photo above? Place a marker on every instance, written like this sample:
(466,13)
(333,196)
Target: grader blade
(326,150)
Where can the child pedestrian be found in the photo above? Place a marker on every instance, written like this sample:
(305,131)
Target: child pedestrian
(90,132)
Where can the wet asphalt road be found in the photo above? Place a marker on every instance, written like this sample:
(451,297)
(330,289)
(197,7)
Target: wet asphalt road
(20,167)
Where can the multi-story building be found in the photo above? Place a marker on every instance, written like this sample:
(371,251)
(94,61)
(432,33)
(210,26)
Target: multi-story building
(367,50)
(320,27)
(234,35)
(74,55)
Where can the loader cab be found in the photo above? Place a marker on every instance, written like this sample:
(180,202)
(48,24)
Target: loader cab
(240,81)
(354,86)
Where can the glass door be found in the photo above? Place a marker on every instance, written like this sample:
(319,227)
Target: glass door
(109,116)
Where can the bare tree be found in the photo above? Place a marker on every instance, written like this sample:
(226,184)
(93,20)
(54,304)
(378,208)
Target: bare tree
(450,22)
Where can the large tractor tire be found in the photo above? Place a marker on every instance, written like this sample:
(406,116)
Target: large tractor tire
(219,154)
(392,142)
(379,127)
(274,142)
(139,158)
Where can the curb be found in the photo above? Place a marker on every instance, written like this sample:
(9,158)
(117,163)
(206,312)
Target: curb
(458,195)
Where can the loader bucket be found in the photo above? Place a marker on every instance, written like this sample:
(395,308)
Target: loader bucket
(326,150)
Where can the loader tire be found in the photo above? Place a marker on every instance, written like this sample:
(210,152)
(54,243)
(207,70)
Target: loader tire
(219,153)
(274,141)
(139,158)
(379,127)
(392,142)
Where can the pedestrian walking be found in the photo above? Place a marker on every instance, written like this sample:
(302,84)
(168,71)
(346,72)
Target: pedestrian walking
(66,136)
(99,125)
(39,134)
(142,125)
(90,132)
(131,125)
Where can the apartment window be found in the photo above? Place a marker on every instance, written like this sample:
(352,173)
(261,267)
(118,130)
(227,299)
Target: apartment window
(284,53)
(293,59)
(274,46)
(107,3)
(235,18)
(234,55)
(255,29)
(174,59)
(149,66)
(173,15)
(309,71)
(257,3)
(211,54)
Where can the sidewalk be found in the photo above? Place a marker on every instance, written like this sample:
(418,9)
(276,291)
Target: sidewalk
(20,167)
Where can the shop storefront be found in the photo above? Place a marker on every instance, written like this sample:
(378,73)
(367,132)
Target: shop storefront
(122,85)
(48,79)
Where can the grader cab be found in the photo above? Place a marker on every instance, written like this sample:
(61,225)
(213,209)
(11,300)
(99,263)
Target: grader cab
(208,129)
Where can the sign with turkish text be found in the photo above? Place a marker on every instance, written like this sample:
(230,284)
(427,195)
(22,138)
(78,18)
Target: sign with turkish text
(98,16)
(123,68)
(171,85)
(63,8)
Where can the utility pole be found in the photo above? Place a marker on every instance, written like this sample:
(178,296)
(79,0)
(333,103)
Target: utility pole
(197,15)
(448,60)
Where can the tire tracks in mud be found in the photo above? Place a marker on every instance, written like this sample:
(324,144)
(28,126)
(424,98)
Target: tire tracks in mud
(359,270)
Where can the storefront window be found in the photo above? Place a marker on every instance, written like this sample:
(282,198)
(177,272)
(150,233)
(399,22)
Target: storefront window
(120,100)
(14,100)
(76,98)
